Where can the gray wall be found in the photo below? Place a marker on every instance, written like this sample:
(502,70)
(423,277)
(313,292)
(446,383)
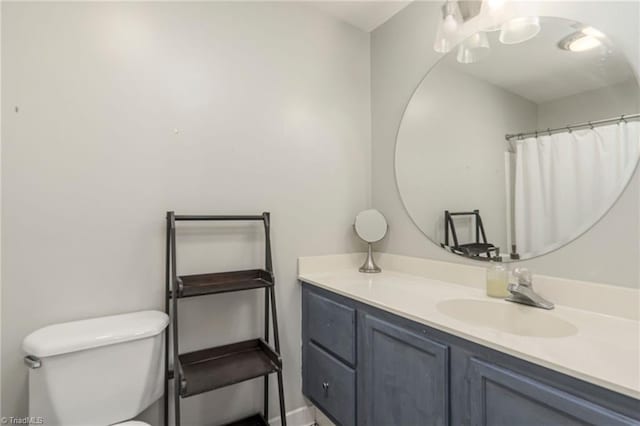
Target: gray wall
(127,110)
(401,53)
(607,102)
(437,137)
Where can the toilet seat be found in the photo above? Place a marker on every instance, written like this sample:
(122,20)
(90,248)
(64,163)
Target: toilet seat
(132,423)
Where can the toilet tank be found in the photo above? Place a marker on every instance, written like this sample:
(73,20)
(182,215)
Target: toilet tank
(97,371)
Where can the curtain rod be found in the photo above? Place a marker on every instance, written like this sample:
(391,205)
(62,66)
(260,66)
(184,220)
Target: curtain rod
(571,127)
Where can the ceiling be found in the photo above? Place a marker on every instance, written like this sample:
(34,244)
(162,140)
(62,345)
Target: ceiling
(366,15)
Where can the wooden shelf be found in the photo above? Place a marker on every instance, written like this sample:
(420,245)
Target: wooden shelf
(205,370)
(224,282)
(214,368)
(255,420)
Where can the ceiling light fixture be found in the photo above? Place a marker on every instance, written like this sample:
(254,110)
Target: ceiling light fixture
(492,13)
(590,31)
(519,30)
(448,27)
(474,48)
(584,43)
(586,39)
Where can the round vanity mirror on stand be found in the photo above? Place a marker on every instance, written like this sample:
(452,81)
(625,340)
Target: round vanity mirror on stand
(371,227)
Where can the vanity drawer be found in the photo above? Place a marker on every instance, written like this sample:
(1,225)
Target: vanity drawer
(331,325)
(331,385)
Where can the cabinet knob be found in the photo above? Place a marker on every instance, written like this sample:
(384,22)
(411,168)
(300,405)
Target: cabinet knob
(325,386)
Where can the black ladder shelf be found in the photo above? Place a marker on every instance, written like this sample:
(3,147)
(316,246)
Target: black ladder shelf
(208,369)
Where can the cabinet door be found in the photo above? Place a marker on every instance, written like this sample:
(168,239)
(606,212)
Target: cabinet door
(405,376)
(502,397)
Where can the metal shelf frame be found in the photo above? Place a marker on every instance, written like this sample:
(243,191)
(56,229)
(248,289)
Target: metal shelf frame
(173,289)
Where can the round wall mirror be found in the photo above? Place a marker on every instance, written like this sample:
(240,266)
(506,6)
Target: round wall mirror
(517,151)
(371,227)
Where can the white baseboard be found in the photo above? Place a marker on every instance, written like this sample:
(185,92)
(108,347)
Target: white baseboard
(303,416)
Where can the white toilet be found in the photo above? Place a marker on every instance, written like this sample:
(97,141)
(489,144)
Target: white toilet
(96,372)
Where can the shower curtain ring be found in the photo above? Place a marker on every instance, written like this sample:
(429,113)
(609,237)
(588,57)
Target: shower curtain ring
(549,131)
(622,118)
(591,125)
(569,129)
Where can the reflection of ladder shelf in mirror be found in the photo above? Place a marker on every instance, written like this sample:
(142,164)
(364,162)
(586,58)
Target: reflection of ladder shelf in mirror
(213,368)
(475,249)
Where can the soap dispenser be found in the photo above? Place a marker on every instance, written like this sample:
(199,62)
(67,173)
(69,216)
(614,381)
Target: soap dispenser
(497,279)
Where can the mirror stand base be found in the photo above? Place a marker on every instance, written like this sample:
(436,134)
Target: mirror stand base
(369,266)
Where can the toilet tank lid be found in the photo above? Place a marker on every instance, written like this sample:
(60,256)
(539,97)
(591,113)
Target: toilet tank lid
(91,333)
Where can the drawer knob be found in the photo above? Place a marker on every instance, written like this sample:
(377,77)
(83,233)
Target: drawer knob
(325,386)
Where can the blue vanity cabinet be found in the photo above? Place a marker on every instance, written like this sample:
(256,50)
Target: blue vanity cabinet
(329,355)
(331,325)
(404,376)
(501,397)
(365,366)
(330,384)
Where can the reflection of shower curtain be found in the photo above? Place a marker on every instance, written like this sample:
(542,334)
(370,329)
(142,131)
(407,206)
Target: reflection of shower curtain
(566,181)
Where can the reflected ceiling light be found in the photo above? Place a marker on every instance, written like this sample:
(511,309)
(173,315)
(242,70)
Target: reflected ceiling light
(492,13)
(519,30)
(448,27)
(584,43)
(495,4)
(590,31)
(586,39)
(474,48)
(442,44)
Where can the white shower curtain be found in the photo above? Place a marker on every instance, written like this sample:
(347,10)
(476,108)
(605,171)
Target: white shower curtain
(566,181)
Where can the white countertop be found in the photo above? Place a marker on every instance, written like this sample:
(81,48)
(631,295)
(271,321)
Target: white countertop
(604,350)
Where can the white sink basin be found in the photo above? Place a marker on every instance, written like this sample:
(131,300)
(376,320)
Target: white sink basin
(508,317)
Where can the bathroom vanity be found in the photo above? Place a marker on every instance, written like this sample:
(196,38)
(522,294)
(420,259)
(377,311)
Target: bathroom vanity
(395,348)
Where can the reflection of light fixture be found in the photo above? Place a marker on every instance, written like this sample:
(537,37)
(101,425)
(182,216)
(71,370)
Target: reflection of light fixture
(474,48)
(584,43)
(492,13)
(586,39)
(590,31)
(492,16)
(519,30)
(495,4)
(442,44)
(448,27)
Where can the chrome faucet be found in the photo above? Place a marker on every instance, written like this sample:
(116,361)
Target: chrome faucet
(522,290)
